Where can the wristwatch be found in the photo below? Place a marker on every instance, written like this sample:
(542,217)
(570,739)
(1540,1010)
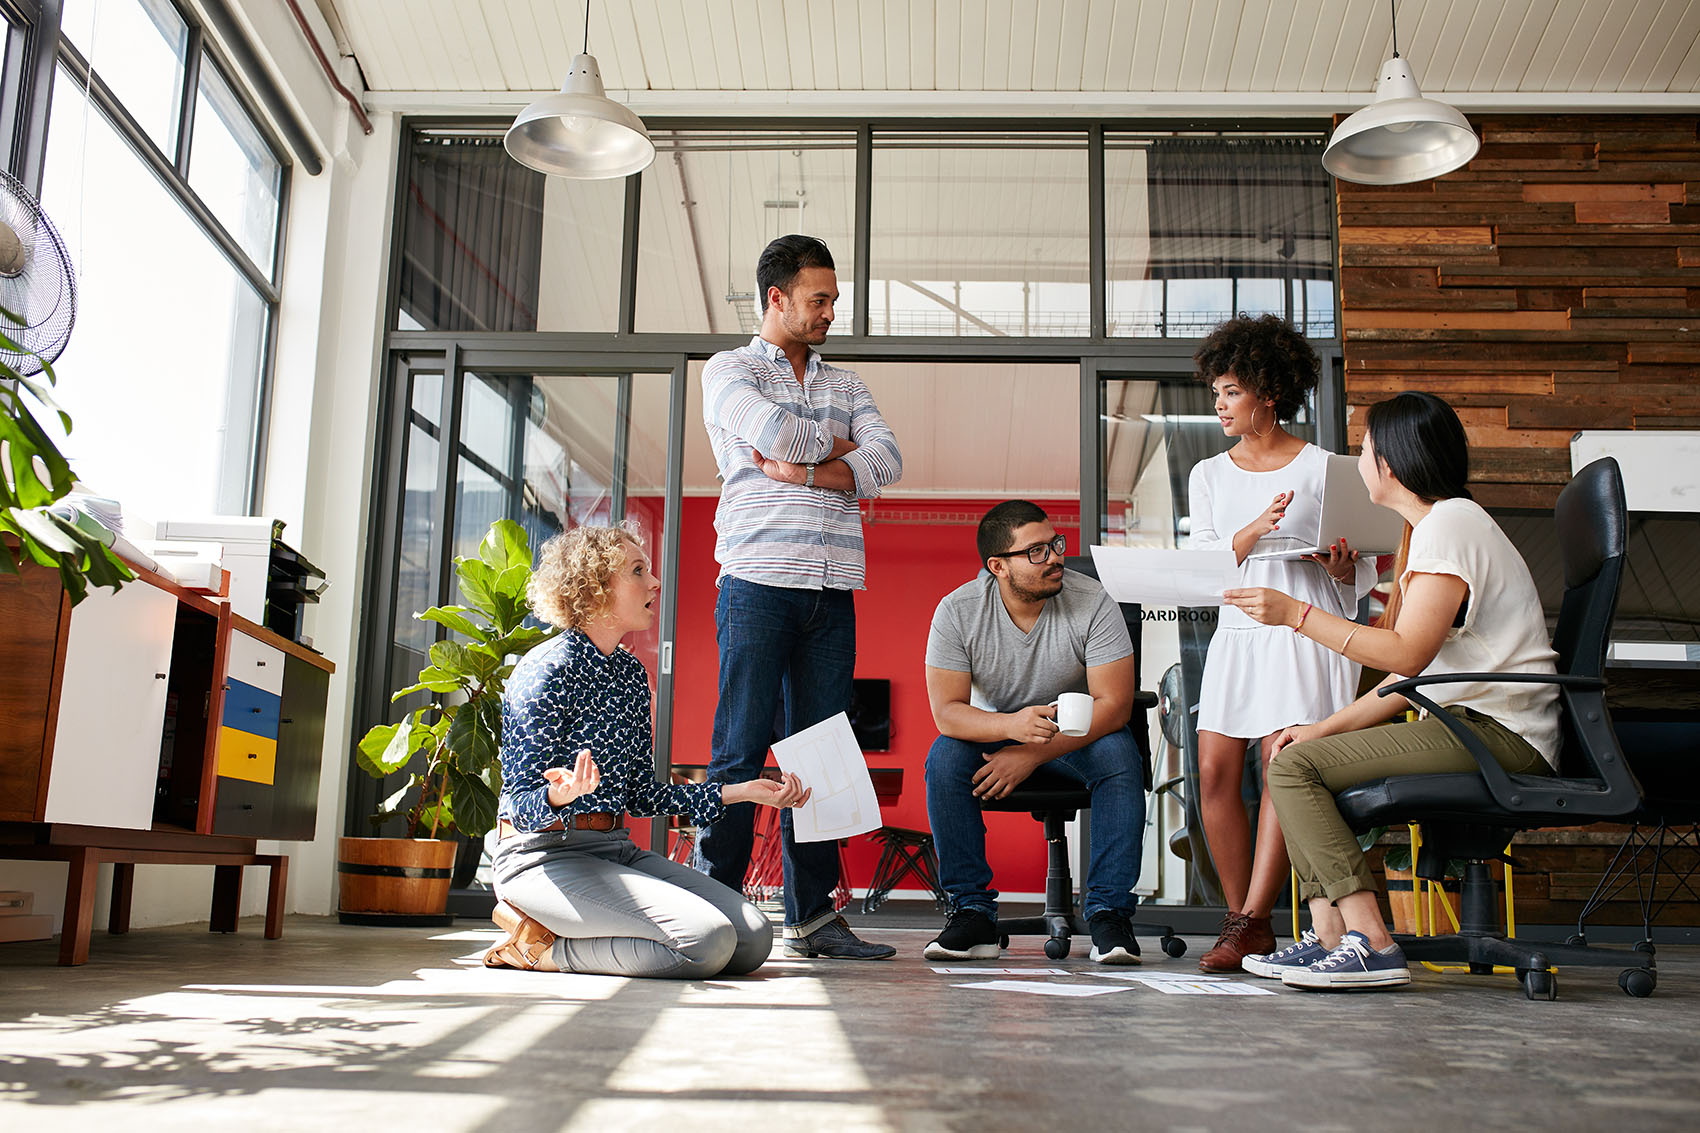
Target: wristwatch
(808,475)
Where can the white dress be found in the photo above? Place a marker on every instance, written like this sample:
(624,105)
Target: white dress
(1259,679)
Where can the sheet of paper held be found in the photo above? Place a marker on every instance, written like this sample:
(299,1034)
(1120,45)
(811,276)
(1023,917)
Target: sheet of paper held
(828,760)
(1155,577)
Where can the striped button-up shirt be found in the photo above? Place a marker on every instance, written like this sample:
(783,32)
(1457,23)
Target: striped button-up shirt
(787,534)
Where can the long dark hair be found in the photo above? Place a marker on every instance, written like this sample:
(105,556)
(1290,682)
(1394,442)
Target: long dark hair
(1418,438)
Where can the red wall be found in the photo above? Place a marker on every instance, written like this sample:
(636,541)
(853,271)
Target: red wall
(910,567)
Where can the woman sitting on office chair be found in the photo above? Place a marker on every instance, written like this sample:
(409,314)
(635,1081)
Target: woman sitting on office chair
(573,892)
(1464,602)
(1264,494)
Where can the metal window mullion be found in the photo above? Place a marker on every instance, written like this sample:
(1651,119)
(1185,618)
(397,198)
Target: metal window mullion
(622,445)
(186,101)
(166,171)
(448,469)
(1091,474)
(629,257)
(863,247)
(519,406)
(672,517)
(1097,250)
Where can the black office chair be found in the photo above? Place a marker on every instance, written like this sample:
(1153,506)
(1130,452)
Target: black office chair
(1472,816)
(1054,799)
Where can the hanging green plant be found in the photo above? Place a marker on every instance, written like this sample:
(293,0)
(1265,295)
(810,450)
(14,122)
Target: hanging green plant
(460,731)
(34,475)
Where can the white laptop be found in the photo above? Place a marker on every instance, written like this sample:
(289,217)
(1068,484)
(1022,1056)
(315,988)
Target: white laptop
(1347,513)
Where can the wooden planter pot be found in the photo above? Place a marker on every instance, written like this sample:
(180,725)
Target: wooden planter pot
(394,880)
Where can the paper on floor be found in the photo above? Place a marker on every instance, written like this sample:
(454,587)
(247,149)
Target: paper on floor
(1040,987)
(1003,971)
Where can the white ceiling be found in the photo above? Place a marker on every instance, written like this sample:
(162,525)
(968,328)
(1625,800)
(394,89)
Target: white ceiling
(1271,56)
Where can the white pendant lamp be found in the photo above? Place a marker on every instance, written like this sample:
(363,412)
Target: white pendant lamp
(580,132)
(1401,136)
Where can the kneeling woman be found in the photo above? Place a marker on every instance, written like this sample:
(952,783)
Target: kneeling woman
(574,893)
(1464,603)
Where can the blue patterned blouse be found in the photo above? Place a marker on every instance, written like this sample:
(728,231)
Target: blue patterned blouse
(565,696)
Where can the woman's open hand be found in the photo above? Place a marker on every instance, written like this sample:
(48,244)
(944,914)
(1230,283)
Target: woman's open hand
(1270,520)
(1341,562)
(565,785)
(1296,734)
(787,790)
(1261,604)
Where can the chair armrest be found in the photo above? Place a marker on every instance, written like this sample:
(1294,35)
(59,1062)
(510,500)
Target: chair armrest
(1562,680)
(1143,699)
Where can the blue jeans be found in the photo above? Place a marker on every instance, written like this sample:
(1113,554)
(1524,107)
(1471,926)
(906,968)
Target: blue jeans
(779,649)
(1109,766)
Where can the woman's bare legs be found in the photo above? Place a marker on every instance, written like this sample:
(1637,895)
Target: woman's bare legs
(1221,767)
(1269,867)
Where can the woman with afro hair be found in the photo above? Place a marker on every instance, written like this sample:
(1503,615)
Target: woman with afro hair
(1263,494)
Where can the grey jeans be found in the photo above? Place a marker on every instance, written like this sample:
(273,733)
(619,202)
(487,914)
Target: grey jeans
(621,911)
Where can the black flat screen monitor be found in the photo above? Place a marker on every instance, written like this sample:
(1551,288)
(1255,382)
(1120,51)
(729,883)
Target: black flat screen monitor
(870,713)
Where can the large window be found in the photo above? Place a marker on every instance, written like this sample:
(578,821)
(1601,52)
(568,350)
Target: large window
(169,195)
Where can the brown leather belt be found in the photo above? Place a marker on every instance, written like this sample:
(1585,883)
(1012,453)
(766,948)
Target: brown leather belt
(603,821)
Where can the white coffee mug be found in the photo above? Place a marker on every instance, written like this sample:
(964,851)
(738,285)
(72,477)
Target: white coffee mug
(1074,713)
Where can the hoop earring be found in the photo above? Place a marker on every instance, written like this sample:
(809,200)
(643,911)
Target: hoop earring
(1273,421)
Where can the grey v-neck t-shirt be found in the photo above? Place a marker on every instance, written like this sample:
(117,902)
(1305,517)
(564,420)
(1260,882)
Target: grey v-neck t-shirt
(1079,628)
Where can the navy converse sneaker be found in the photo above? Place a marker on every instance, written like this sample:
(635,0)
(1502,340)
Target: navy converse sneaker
(1301,953)
(1352,965)
(968,934)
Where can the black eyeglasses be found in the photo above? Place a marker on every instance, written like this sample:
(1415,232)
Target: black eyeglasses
(1038,552)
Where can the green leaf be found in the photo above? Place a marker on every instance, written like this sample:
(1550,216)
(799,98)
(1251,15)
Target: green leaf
(481,662)
(474,803)
(455,618)
(477,584)
(505,545)
(508,596)
(475,732)
(387,748)
(433,679)
(450,657)
(522,640)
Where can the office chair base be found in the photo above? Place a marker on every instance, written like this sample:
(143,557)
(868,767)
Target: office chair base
(1533,960)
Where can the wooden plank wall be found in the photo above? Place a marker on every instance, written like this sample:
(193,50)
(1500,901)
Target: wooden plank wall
(1551,285)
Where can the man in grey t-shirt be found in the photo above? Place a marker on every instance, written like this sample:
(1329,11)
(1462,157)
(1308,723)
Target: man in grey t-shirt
(1003,648)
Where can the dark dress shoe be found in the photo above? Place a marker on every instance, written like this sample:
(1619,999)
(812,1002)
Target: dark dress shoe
(834,941)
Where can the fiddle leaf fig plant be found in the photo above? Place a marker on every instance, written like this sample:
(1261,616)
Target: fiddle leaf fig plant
(34,475)
(458,733)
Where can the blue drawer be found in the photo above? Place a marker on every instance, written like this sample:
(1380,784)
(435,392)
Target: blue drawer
(252,710)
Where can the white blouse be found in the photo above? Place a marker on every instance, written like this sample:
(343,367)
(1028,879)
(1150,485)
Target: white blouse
(1504,630)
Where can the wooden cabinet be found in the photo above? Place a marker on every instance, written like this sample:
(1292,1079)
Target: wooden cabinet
(156,709)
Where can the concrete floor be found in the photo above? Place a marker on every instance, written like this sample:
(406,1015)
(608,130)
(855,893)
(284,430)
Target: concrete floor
(178,1029)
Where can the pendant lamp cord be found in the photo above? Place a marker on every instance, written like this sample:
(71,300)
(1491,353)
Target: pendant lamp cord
(1392,7)
(587,29)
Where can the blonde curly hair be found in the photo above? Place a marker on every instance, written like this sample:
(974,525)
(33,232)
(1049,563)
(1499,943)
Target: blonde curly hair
(569,588)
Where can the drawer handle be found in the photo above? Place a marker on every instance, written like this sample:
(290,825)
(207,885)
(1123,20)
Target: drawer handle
(247,806)
(284,720)
(255,711)
(159,676)
(251,755)
(261,664)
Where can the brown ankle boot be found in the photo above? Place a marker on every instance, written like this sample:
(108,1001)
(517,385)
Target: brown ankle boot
(529,946)
(1242,936)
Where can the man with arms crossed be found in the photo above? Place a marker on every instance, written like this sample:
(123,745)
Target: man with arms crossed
(1002,648)
(798,443)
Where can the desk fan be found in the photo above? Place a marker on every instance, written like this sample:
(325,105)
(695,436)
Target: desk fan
(37,286)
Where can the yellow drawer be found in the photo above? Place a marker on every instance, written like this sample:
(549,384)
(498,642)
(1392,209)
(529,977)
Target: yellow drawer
(242,755)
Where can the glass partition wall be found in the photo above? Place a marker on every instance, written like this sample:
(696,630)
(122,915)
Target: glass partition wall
(1022,299)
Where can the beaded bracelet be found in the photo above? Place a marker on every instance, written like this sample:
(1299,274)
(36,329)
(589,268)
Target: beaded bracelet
(1302,618)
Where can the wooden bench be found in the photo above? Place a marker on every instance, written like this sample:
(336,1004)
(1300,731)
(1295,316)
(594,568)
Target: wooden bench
(84,848)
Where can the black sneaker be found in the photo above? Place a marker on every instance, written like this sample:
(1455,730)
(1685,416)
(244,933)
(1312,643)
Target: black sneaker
(968,935)
(1112,939)
(834,941)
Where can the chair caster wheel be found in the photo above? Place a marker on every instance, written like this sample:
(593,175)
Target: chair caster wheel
(1638,982)
(1173,947)
(1003,942)
(1540,984)
(1644,946)
(1576,939)
(1057,949)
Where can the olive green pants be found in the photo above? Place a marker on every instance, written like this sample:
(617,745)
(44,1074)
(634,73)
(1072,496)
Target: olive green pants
(1303,778)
